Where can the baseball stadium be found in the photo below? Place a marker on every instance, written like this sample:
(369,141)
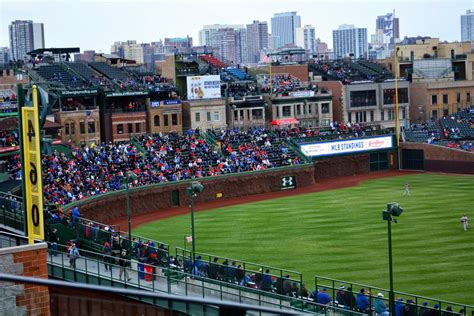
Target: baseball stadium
(216,190)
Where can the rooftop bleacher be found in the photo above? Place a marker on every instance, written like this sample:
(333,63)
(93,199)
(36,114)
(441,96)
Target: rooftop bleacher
(213,61)
(86,72)
(56,73)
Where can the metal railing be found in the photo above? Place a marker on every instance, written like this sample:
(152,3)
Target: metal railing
(245,267)
(88,268)
(416,302)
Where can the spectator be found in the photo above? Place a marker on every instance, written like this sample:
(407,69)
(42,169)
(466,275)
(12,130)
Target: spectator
(362,301)
(123,263)
(380,307)
(73,254)
(323,297)
(267,282)
(399,307)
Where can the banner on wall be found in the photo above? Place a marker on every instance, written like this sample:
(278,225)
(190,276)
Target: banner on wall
(203,87)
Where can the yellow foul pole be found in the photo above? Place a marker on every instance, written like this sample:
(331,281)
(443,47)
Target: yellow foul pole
(395,65)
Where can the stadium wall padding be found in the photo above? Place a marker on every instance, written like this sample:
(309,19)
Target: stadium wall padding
(444,159)
(155,197)
(341,166)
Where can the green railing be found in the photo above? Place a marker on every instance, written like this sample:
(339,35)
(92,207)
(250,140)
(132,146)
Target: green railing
(89,268)
(11,212)
(247,268)
(333,286)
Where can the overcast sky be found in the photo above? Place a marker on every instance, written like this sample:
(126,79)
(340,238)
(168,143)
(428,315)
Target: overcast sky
(97,24)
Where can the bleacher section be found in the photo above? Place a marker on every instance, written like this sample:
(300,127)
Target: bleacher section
(111,72)
(422,132)
(86,72)
(459,125)
(56,73)
(213,61)
(348,71)
(237,73)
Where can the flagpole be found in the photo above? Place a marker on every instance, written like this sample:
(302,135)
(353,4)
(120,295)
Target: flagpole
(395,63)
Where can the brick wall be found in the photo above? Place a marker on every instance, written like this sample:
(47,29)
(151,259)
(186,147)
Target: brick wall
(24,299)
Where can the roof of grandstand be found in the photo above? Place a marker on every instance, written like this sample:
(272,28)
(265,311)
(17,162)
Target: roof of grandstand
(55,51)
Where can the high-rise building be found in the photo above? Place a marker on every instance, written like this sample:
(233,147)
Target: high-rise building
(306,38)
(387,24)
(38,35)
(206,33)
(257,40)
(228,41)
(467,26)
(4,55)
(228,45)
(25,36)
(349,41)
(130,50)
(284,26)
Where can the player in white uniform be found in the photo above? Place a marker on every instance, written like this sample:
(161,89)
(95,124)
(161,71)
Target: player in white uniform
(465,221)
(406,190)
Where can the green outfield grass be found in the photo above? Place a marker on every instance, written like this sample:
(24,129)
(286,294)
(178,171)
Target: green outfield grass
(340,234)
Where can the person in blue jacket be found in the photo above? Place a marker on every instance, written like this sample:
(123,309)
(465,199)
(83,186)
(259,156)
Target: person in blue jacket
(323,297)
(362,301)
(399,307)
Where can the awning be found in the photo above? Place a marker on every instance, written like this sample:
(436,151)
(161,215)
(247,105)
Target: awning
(288,121)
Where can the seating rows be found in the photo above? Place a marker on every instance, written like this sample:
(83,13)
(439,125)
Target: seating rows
(236,72)
(55,73)
(213,61)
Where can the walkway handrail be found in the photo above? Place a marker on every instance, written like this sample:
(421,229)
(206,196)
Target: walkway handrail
(333,286)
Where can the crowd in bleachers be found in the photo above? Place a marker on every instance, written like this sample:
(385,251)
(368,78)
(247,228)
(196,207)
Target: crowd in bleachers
(281,84)
(97,169)
(238,90)
(8,101)
(9,138)
(336,130)
(348,71)
(459,125)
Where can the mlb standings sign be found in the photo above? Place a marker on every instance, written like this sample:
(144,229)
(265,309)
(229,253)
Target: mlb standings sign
(32,170)
(346,146)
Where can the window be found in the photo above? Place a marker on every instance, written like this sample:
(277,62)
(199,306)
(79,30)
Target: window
(404,113)
(310,106)
(197,117)
(130,127)
(217,116)
(156,120)
(286,111)
(236,115)
(434,99)
(391,115)
(165,117)
(119,128)
(138,127)
(468,96)
(69,128)
(174,119)
(257,114)
(82,127)
(434,114)
(350,117)
(91,127)
(389,96)
(371,116)
(458,97)
(208,116)
(382,115)
(325,108)
(445,99)
(363,98)
(298,109)
(278,111)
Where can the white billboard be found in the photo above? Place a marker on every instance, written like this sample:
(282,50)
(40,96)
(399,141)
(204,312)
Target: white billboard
(346,146)
(203,87)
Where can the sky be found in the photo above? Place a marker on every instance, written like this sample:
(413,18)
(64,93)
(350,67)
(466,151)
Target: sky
(95,25)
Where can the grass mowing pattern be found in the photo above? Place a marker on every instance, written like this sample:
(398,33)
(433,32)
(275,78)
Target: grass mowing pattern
(340,234)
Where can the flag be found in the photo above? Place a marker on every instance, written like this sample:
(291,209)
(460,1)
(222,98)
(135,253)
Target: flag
(88,116)
(189,239)
(266,59)
(388,25)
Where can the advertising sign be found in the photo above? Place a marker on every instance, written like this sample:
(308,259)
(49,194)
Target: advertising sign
(288,182)
(32,170)
(302,94)
(203,87)
(346,146)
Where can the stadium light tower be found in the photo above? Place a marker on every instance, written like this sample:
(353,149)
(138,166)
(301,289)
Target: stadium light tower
(393,210)
(126,181)
(194,188)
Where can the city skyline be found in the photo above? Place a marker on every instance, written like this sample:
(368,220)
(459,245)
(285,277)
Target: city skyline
(146,21)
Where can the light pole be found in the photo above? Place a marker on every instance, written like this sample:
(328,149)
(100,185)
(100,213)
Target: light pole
(194,188)
(126,181)
(393,209)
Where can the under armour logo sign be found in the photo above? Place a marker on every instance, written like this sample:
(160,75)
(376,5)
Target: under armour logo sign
(288,182)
